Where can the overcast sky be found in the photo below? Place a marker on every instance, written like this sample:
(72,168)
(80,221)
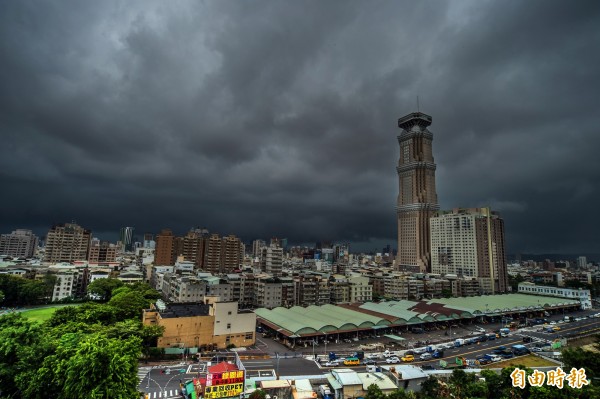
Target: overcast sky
(279,118)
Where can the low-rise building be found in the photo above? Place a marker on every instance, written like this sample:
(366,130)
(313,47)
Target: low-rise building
(211,324)
(569,293)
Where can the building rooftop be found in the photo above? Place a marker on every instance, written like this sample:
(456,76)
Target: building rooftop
(183,310)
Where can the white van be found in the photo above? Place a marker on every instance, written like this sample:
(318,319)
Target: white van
(425,356)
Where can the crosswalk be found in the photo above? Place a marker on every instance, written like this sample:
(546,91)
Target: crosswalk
(168,394)
(142,372)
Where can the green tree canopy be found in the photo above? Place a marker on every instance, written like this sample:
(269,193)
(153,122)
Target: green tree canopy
(102,288)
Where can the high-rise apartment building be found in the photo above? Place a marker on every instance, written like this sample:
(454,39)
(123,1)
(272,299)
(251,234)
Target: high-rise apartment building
(67,242)
(233,254)
(193,248)
(470,243)
(102,252)
(417,200)
(164,250)
(18,244)
(222,255)
(271,260)
(126,238)
(212,256)
(257,246)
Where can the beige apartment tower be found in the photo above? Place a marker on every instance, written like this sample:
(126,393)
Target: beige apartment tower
(67,243)
(470,243)
(417,200)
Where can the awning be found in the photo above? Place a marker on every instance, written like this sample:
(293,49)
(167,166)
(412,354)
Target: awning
(335,384)
(395,337)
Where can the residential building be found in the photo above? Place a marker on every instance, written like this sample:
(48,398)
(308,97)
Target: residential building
(193,248)
(470,243)
(271,260)
(233,254)
(213,254)
(164,250)
(267,292)
(359,289)
(569,293)
(257,246)
(67,242)
(102,252)
(209,325)
(417,200)
(20,243)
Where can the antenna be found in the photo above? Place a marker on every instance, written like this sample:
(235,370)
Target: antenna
(418,104)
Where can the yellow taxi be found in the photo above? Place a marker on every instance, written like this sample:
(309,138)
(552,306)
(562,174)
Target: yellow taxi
(408,358)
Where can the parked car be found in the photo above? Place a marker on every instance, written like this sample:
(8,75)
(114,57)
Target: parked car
(418,351)
(370,362)
(332,363)
(408,358)
(536,349)
(425,356)
(392,360)
(527,339)
(483,360)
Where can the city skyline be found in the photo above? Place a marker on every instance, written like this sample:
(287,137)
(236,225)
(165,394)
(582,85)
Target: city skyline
(280,120)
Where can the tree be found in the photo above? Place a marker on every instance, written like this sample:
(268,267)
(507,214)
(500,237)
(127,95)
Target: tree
(431,388)
(128,303)
(102,288)
(447,293)
(1,296)
(374,392)
(258,394)
(16,334)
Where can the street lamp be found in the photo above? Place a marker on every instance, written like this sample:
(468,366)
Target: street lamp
(325,343)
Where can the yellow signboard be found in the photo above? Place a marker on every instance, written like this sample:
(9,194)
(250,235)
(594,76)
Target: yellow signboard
(223,391)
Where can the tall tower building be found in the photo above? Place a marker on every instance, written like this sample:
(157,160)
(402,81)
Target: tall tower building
(126,238)
(417,200)
(67,243)
(470,243)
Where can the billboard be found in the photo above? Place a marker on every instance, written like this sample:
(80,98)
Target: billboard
(223,391)
(224,378)
(225,384)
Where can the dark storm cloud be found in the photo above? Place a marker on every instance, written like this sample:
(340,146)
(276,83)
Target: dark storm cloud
(279,118)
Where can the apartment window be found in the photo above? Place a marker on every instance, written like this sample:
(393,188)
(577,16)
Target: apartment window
(229,313)
(228,325)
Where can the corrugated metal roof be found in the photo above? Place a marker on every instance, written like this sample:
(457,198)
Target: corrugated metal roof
(347,377)
(379,379)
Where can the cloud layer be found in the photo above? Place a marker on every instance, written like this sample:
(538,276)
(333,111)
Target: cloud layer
(279,118)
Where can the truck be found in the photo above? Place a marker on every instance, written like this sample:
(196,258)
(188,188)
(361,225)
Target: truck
(325,392)
(332,356)
(359,354)
(519,350)
(504,332)
(459,362)
(459,342)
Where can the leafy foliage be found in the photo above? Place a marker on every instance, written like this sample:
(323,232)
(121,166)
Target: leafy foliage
(88,351)
(19,291)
